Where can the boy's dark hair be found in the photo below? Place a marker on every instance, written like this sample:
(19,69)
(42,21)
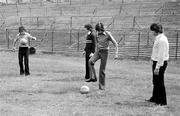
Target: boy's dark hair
(99,27)
(156,27)
(21,29)
(88,26)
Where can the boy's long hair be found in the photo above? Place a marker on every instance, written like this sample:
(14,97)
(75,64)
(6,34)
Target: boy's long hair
(21,29)
(88,27)
(156,27)
(99,27)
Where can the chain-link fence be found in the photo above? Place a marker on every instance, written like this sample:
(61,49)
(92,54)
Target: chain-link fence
(131,43)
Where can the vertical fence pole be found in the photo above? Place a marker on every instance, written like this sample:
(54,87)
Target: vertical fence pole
(17,8)
(52,49)
(78,41)
(21,21)
(103,2)
(7,38)
(177,45)
(139,37)
(120,9)
(124,36)
(61,11)
(70,33)
(148,38)
(29,41)
(113,22)
(70,2)
(122,1)
(134,19)
(71,22)
(37,21)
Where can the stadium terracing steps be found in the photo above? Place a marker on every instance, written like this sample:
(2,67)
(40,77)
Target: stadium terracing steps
(127,15)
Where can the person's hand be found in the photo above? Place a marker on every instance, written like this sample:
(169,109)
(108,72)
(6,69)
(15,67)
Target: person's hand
(84,53)
(116,56)
(156,71)
(13,49)
(91,55)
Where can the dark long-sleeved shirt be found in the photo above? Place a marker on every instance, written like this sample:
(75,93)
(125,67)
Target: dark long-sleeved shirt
(90,42)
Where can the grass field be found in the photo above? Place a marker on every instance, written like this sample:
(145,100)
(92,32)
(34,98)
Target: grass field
(53,88)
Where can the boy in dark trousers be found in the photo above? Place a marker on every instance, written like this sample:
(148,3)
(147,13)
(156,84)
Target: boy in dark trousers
(160,57)
(23,53)
(89,48)
(101,53)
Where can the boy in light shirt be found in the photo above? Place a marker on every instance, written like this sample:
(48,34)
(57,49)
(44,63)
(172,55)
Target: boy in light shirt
(160,56)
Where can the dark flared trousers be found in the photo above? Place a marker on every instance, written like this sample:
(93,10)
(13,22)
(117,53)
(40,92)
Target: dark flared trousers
(23,54)
(159,91)
(102,55)
(87,75)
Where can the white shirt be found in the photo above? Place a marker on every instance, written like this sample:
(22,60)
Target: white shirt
(23,39)
(160,52)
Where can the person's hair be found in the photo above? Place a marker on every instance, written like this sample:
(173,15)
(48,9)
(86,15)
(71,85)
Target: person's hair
(156,27)
(99,27)
(21,29)
(88,27)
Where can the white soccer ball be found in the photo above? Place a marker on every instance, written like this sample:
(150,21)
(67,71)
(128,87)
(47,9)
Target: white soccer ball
(84,89)
(23,41)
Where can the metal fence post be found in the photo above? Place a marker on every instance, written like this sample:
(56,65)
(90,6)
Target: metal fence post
(148,38)
(21,21)
(7,38)
(139,36)
(52,40)
(177,46)
(70,33)
(134,18)
(78,41)
(37,21)
(71,22)
(17,8)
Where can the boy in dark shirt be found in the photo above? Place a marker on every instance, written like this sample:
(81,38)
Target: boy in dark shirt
(89,48)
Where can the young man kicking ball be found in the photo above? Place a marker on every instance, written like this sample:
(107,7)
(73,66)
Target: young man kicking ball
(103,39)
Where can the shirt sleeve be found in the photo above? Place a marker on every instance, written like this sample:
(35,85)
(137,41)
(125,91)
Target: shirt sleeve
(16,39)
(30,37)
(113,41)
(161,53)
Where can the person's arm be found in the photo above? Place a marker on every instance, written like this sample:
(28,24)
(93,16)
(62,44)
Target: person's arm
(161,54)
(15,41)
(30,37)
(115,44)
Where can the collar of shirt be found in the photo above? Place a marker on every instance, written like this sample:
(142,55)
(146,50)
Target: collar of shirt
(158,37)
(102,33)
(89,32)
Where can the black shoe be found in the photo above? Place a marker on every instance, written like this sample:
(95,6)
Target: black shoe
(88,80)
(94,80)
(21,73)
(150,100)
(27,74)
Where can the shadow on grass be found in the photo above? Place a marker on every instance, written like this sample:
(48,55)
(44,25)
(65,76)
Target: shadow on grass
(69,79)
(135,104)
(54,92)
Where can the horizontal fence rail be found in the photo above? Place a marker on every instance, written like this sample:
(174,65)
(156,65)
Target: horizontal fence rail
(131,43)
